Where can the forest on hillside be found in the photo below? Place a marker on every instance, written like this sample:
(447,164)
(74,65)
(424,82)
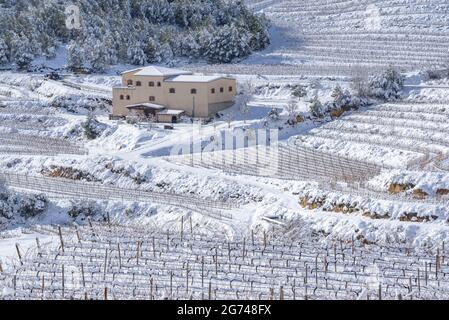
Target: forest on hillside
(134,32)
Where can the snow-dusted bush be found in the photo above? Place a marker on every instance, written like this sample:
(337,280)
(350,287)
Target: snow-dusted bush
(12,205)
(436,74)
(92,128)
(274,114)
(387,85)
(343,100)
(299,91)
(292,111)
(31,206)
(83,209)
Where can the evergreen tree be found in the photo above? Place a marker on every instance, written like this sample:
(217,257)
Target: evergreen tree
(75,55)
(337,94)
(227,44)
(136,55)
(316,108)
(139,31)
(23,55)
(4,52)
(98,55)
(387,85)
(151,50)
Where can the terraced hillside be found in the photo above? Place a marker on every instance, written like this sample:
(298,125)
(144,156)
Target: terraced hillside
(349,36)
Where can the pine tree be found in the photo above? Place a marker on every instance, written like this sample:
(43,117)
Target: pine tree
(4,52)
(387,85)
(118,31)
(166,53)
(227,44)
(75,55)
(337,94)
(316,108)
(136,55)
(151,50)
(98,55)
(23,55)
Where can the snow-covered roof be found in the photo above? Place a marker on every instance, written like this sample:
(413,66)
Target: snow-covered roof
(156,71)
(145,105)
(194,78)
(172,112)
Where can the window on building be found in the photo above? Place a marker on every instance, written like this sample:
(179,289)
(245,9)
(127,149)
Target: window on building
(193,91)
(130,82)
(122,97)
(128,97)
(172,90)
(151,84)
(221,89)
(152,99)
(212,90)
(230,89)
(158,84)
(138,84)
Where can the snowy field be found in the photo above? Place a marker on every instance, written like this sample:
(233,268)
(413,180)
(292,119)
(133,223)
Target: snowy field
(342,190)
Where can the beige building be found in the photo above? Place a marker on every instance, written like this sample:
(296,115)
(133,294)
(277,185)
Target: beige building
(168,93)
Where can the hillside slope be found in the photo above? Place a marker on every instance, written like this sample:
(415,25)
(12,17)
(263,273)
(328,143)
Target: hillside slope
(351,36)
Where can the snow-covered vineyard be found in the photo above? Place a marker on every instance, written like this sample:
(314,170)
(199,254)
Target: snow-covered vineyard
(327,179)
(342,37)
(116,262)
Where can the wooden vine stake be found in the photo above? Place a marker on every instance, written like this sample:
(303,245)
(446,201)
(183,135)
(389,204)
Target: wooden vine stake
(182,227)
(138,252)
(437,263)
(19,254)
(119,256)
(60,238)
(77,234)
(63,281)
(154,248)
(39,250)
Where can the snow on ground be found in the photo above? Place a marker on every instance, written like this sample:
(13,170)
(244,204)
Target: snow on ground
(126,153)
(25,239)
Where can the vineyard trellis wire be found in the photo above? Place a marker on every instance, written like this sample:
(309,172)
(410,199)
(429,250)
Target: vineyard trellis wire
(301,163)
(291,162)
(118,262)
(32,144)
(428,142)
(58,187)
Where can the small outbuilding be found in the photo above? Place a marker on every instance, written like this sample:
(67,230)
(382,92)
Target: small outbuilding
(156,112)
(169,116)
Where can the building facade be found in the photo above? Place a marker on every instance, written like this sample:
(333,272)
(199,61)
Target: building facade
(163,90)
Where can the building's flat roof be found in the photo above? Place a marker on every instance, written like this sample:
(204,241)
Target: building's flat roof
(156,71)
(171,112)
(125,87)
(195,78)
(146,105)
